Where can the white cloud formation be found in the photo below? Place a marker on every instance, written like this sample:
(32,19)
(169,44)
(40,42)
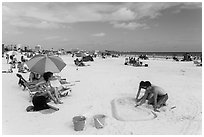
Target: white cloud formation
(54,15)
(99,34)
(189,6)
(122,14)
(38,25)
(129,25)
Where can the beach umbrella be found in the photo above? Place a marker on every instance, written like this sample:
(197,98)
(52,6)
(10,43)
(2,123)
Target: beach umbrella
(81,54)
(12,53)
(44,63)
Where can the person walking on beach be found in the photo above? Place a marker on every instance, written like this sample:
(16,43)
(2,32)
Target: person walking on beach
(7,58)
(155,95)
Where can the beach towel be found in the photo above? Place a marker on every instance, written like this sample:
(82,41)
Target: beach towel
(45,111)
(55,83)
(64,90)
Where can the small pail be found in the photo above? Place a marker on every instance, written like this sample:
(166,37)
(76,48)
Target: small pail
(99,121)
(79,123)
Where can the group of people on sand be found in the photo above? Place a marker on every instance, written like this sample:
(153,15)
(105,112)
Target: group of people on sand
(12,60)
(78,62)
(46,91)
(154,95)
(133,61)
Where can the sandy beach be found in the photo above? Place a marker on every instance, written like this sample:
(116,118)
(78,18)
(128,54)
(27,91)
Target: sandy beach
(107,86)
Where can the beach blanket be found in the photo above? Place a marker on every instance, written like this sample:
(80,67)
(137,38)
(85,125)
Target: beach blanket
(124,109)
(45,111)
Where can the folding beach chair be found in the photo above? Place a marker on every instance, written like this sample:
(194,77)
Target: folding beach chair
(32,87)
(27,85)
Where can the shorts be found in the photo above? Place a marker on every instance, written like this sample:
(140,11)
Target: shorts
(159,97)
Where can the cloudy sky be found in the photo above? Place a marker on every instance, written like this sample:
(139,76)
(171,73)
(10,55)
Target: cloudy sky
(114,26)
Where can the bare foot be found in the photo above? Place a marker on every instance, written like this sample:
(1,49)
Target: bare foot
(60,102)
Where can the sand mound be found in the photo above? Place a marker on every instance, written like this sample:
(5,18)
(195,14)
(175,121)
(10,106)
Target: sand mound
(124,109)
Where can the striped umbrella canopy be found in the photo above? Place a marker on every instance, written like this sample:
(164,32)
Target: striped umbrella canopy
(44,63)
(12,53)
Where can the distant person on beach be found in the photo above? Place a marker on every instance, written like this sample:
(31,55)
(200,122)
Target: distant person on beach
(34,76)
(21,67)
(155,95)
(137,62)
(7,58)
(79,62)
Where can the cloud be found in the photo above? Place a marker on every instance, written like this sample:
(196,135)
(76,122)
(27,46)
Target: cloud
(54,14)
(99,34)
(191,5)
(188,6)
(38,25)
(129,25)
(122,14)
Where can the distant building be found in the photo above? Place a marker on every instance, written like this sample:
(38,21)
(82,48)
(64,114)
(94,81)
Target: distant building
(3,50)
(18,46)
(38,48)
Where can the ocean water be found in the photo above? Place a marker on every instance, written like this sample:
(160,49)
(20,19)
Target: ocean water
(163,54)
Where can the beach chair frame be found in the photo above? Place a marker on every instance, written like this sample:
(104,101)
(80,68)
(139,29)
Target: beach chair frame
(32,89)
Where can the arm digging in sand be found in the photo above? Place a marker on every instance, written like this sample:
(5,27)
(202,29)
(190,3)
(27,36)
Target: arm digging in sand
(155,95)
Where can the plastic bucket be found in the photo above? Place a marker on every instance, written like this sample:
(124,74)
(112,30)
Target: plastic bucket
(79,122)
(99,121)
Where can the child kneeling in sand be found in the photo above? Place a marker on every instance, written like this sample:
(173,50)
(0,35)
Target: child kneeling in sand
(155,95)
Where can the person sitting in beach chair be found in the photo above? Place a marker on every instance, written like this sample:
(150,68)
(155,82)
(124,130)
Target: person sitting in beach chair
(47,76)
(155,95)
(58,90)
(40,100)
(61,85)
(197,63)
(126,61)
(63,81)
(79,62)
(21,67)
(136,62)
(31,86)
(34,76)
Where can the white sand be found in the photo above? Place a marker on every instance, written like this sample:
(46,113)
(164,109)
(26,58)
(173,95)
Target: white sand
(102,82)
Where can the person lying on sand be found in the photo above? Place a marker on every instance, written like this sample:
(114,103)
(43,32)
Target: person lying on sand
(155,95)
